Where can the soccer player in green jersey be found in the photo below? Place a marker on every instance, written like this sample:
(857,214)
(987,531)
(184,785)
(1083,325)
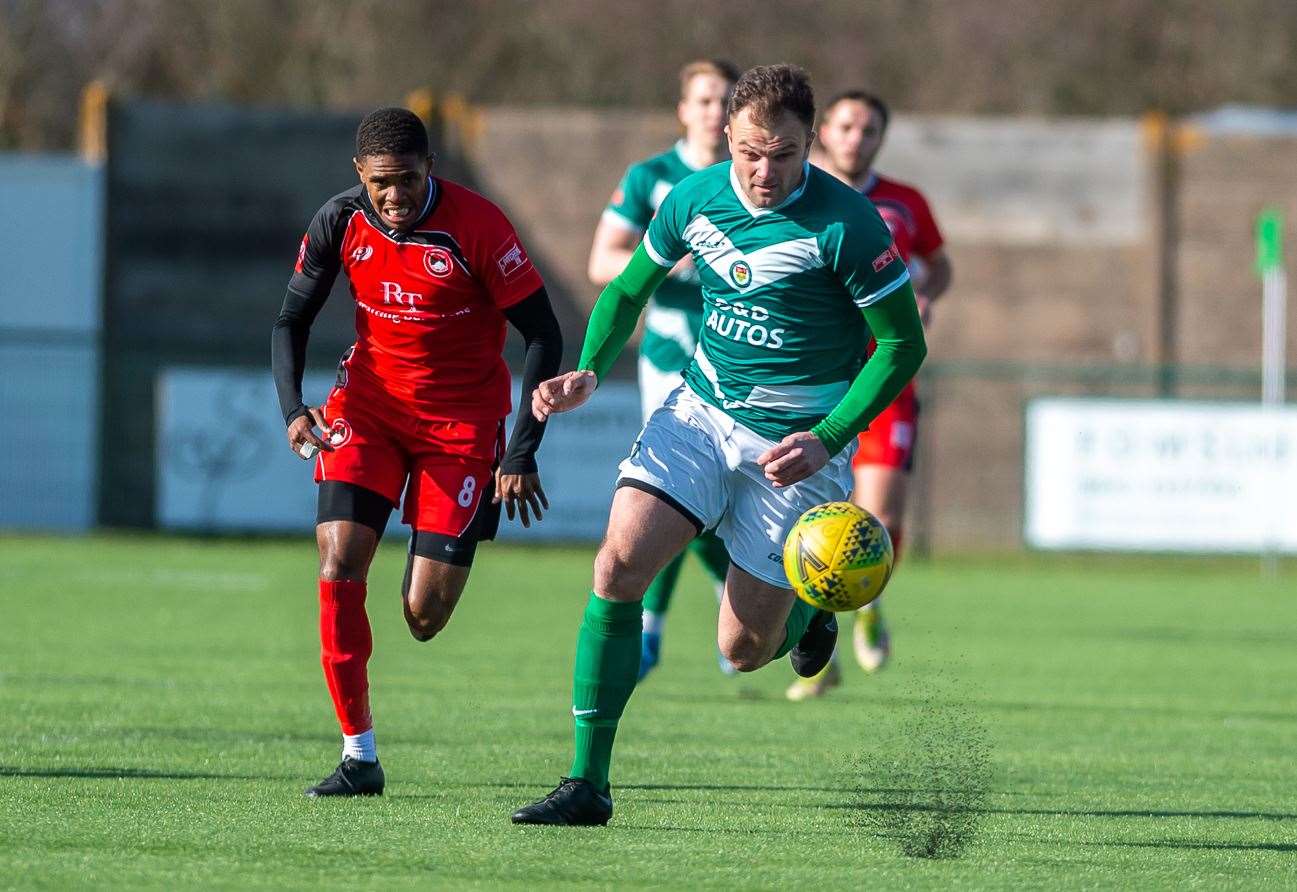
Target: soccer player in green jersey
(798,271)
(675,311)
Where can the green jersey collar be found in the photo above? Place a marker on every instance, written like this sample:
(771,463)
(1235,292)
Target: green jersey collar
(760,212)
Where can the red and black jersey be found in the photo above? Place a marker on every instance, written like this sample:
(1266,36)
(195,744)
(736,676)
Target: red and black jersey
(915,234)
(906,213)
(430,326)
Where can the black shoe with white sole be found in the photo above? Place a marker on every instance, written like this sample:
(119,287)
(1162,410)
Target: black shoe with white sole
(574,802)
(352,777)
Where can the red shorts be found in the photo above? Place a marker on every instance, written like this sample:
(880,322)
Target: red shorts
(890,439)
(443,467)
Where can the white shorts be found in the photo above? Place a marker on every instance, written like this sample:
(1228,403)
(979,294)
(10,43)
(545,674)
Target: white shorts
(655,385)
(705,462)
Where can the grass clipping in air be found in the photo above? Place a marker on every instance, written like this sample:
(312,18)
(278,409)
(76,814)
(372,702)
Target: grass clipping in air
(928,790)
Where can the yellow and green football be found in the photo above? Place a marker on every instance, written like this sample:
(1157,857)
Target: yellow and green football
(838,557)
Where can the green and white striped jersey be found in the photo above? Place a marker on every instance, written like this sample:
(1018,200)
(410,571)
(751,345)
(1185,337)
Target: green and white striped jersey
(675,312)
(783,287)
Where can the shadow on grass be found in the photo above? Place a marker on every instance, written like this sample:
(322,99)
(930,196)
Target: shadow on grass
(206,735)
(748,788)
(617,788)
(1193,844)
(1185,844)
(728,831)
(124,773)
(900,701)
(1074,813)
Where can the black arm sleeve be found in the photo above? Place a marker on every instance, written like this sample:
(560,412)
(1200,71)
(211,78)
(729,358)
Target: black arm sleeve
(288,349)
(534,318)
(318,263)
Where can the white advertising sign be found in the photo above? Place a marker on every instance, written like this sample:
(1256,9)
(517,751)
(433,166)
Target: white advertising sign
(1164,475)
(224,464)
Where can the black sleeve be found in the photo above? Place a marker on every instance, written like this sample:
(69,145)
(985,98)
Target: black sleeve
(534,318)
(288,349)
(318,262)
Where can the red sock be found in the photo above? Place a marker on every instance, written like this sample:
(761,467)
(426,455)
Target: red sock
(897,534)
(345,646)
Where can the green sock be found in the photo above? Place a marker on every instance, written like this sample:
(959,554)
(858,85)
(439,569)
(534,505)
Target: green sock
(658,597)
(711,551)
(795,626)
(607,661)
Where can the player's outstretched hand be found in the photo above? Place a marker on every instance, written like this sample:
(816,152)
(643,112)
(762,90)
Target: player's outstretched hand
(523,491)
(793,459)
(302,432)
(562,394)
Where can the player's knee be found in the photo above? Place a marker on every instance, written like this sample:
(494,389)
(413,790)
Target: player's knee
(335,566)
(427,621)
(618,578)
(424,629)
(746,654)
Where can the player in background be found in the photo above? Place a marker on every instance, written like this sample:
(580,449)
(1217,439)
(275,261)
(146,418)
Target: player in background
(797,270)
(675,312)
(417,414)
(851,133)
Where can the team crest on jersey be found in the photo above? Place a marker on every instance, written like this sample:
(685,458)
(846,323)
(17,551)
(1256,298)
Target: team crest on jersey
(364,252)
(339,432)
(741,273)
(438,262)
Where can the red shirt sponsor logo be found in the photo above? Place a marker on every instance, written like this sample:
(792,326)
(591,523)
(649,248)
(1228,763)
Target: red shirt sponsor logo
(511,259)
(301,252)
(393,293)
(881,261)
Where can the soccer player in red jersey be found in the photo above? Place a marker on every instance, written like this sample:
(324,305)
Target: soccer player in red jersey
(851,133)
(417,414)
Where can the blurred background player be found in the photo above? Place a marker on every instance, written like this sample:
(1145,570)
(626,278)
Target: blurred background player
(419,404)
(850,135)
(675,312)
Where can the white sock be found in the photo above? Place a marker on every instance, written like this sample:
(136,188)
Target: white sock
(654,623)
(360,746)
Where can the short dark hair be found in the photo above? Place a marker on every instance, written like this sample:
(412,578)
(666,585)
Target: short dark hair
(391,131)
(864,96)
(771,90)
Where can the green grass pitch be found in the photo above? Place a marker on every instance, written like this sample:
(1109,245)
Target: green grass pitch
(1049,722)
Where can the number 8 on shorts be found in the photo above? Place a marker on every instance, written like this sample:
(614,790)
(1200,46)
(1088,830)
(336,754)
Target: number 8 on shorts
(465,497)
